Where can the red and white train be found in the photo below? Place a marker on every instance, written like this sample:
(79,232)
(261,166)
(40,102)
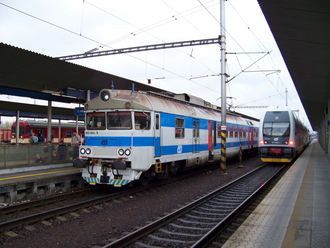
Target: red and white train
(26,128)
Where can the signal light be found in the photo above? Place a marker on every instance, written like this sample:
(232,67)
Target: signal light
(291,142)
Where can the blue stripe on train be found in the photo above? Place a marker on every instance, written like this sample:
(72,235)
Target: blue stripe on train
(149,142)
(119,141)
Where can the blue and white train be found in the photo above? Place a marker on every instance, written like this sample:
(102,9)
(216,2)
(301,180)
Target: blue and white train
(282,135)
(140,136)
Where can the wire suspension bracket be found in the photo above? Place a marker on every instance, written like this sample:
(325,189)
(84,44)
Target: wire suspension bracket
(91,53)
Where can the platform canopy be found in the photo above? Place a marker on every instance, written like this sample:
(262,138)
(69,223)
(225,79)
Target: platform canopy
(301,29)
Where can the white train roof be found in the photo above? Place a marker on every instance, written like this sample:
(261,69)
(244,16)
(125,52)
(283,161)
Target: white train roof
(181,104)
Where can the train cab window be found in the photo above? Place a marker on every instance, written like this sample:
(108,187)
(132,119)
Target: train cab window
(95,121)
(179,128)
(142,120)
(119,120)
(276,129)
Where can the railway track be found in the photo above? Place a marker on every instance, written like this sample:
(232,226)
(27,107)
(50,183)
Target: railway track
(46,208)
(195,224)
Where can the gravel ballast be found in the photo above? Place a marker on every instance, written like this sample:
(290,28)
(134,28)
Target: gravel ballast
(97,226)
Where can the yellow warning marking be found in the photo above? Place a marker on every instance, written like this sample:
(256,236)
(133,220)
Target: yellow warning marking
(39,174)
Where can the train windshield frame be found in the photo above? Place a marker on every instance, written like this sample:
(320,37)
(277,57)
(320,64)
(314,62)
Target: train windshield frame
(277,129)
(119,120)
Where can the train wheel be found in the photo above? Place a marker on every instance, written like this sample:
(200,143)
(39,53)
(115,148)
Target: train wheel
(144,179)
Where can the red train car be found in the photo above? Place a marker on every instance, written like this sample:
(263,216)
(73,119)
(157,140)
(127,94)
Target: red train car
(26,128)
(5,135)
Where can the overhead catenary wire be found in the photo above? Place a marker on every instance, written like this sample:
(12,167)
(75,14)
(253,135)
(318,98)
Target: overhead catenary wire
(179,15)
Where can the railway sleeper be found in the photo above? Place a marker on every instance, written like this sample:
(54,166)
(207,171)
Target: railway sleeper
(189,222)
(207,215)
(188,227)
(202,218)
(180,234)
(170,240)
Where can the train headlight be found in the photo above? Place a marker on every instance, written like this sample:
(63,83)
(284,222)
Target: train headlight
(127,105)
(105,95)
(88,151)
(261,142)
(121,152)
(291,142)
(127,152)
(82,151)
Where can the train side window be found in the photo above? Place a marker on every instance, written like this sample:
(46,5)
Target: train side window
(219,130)
(231,131)
(179,128)
(157,121)
(68,134)
(244,132)
(236,131)
(240,131)
(27,131)
(142,120)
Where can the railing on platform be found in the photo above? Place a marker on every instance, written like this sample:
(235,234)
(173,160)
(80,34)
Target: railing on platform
(13,155)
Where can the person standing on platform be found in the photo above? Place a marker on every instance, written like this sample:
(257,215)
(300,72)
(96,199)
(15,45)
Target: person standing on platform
(54,156)
(33,139)
(75,137)
(61,151)
(41,139)
(75,150)
(39,160)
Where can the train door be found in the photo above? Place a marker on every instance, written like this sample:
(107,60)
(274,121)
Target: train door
(196,137)
(157,135)
(210,136)
(249,137)
(252,133)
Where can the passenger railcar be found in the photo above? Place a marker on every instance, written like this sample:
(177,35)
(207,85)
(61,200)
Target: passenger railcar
(26,128)
(5,135)
(138,136)
(282,136)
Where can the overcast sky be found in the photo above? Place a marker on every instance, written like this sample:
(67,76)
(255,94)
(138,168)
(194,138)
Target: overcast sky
(65,27)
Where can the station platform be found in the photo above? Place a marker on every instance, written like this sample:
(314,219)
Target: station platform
(29,182)
(296,212)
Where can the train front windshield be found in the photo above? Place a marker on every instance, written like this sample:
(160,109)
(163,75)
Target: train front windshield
(276,123)
(119,120)
(276,129)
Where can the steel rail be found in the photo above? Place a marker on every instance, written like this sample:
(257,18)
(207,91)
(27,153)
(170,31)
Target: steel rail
(202,242)
(45,201)
(92,202)
(142,232)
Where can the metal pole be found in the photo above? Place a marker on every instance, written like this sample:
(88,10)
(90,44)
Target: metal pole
(223,87)
(49,124)
(59,130)
(17,127)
